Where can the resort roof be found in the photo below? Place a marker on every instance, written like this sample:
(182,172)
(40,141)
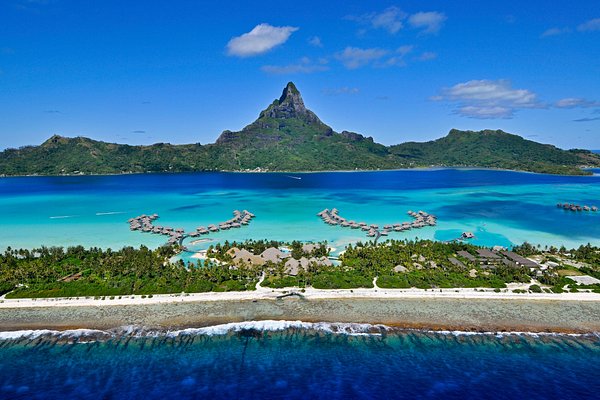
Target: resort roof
(310,247)
(456,262)
(485,253)
(274,255)
(243,255)
(519,259)
(466,255)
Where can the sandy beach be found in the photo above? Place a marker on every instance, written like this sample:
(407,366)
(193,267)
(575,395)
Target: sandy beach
(450,309)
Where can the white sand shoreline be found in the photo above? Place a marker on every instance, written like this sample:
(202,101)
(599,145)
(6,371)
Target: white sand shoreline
(309,294)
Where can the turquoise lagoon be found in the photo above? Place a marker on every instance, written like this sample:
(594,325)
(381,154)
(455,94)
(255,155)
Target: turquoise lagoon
(500,207)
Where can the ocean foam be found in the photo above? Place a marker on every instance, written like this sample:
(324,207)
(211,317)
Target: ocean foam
(334,328)
(67,334)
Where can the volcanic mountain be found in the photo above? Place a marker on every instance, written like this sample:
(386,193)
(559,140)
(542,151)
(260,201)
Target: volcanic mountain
(289,137)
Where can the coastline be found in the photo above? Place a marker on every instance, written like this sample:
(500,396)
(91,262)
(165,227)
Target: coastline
(465,310)
(416,168)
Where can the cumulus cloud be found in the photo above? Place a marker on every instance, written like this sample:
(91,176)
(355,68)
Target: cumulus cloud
(430,22)
(554,32)
(389,19)
(259,40)
(355,57)
(392,20)
(488,99)
(576,102)
(589,26)
(304,66)
(315,41)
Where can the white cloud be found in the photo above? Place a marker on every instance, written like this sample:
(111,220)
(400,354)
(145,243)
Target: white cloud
(427,56)
(404,50)
(304,66)
(555,32)
(398,58)
(492,112)
(389,19)
(315,41)
(392,20)
(259,40)
(576,102)
(488,98)
(354,57)
(431,21)
(345,90)
(589,26)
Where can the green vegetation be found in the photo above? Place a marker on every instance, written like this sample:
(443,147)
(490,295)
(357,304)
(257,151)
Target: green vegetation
(289,137)
(54,272)
(424,264)
(427,266)
(495,149)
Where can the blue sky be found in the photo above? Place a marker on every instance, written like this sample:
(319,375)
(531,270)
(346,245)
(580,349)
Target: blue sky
(141,72)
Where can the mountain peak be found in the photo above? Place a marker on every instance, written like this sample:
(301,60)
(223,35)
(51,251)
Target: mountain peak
(290,105)
(291,95)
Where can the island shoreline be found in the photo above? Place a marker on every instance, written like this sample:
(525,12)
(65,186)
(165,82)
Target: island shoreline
(569,313)
(419,168)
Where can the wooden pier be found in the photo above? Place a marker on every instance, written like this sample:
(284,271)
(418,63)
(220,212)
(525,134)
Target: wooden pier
(421,219)
(145,223)
(576,207)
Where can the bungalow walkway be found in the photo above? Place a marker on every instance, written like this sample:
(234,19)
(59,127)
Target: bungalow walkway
(145,223)
(422,219)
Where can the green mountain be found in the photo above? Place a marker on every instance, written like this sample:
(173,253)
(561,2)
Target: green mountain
(289,137)
(496,149)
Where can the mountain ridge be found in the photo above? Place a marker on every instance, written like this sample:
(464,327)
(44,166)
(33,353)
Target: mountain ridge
(287,136)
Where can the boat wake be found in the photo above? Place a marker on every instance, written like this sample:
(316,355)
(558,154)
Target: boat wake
(110,213)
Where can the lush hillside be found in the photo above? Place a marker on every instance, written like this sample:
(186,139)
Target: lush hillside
(289,137)
(495,149)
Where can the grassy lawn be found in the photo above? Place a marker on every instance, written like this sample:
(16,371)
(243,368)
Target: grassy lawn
(569,272)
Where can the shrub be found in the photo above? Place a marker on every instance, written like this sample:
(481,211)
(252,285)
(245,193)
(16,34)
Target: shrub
(535,289)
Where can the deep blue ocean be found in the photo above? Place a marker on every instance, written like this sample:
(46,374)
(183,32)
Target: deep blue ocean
(300,363)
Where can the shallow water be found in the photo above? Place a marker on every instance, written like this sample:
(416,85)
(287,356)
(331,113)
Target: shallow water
(500,207)
(294,361)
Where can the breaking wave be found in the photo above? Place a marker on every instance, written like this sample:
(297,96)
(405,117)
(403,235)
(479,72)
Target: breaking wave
(257,327)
